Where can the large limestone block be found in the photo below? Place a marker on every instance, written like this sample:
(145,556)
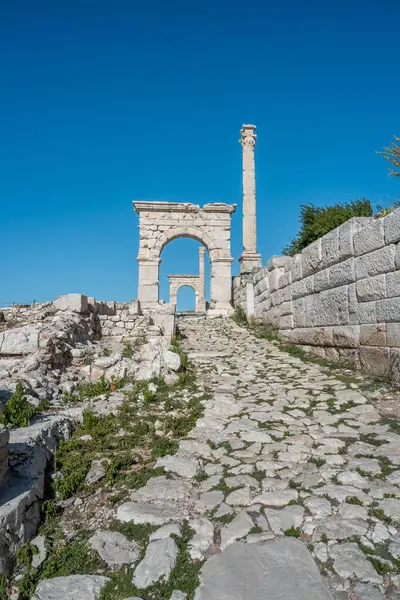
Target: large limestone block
(330,307)
(303,287)
(393,334)
(276,262)
(286,322)
(393,284)
(276,298)
(392,227)
(273,280)
(342,273)
(388,311)
(321,281)
(296,267)
(374,263)
(19,341)
(261,286)
(372,288)
(84,587)
(369,238)
(286,308)
(299,317)
(353,305)
(374,334)
(346,336)
(281,569)
(259,274)
(330,248)
(367,312)
(77,303)
(374,359)
(311,258)
(285,279)
(346,235)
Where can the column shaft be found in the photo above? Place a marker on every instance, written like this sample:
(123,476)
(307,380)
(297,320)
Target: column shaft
(249,260)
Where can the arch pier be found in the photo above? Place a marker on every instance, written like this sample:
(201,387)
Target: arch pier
(161,222)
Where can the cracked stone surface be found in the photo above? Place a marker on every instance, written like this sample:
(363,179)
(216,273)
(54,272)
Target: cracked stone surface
(279,569)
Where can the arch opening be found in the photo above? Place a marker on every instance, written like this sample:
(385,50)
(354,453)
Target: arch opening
(185,262)
(186,299)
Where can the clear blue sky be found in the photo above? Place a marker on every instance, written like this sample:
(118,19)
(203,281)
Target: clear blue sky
(106,102)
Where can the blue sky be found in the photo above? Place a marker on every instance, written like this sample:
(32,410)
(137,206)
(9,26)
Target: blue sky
(107,102)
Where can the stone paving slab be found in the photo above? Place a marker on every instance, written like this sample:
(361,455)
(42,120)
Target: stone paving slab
(282,569)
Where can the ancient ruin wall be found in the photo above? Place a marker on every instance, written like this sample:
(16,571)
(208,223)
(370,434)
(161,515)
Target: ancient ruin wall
(339,298)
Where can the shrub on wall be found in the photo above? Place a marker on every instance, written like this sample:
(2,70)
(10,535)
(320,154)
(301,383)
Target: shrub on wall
(316,221)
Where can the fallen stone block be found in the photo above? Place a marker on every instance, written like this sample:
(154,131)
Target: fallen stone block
(19,341)
(77,303)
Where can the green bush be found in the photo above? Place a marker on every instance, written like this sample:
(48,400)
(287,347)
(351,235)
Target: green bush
(18,412)
(239,316)
(316,221)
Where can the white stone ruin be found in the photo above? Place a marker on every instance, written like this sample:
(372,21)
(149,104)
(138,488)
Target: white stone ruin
(196,282)
(161,222)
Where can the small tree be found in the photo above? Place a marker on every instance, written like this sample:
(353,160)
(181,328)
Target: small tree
(316,221)
(392,154)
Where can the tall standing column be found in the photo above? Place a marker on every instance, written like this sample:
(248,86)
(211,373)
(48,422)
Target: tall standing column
(201,304)
(250,259)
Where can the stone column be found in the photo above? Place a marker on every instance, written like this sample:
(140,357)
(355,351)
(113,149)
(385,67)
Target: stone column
(250,259)
(221,291)
(201,301)
(148,282)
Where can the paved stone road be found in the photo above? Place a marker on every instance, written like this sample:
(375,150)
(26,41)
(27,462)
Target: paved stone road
(303,451)
(284,451)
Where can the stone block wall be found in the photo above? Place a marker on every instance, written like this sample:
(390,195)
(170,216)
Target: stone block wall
(340,297)
(125,321)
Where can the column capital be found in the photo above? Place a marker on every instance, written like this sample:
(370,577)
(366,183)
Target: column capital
(248,137)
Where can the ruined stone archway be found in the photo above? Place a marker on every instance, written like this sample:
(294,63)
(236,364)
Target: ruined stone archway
(161,222)
(176,282)
(196,282)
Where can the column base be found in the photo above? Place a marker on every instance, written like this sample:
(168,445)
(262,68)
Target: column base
(249,262)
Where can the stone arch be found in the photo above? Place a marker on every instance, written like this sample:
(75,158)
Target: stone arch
(186,232)
(196,282)
(162,222)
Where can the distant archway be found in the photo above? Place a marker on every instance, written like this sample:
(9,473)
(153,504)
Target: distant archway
(186,299)
(161,222)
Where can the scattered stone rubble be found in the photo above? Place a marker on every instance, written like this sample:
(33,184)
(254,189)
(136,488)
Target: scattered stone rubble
(50,349)
(53,346)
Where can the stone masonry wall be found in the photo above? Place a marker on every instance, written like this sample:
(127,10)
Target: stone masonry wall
(340,297)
